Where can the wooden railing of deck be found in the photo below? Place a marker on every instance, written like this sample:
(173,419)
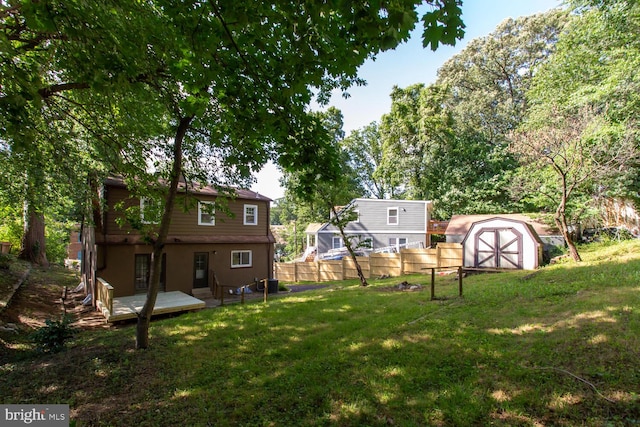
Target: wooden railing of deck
(437,227)
(104,297)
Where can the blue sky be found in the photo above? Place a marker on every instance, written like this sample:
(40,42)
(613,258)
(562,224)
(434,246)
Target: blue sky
(408,64)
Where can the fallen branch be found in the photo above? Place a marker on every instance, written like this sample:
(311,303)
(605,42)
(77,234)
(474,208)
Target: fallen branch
(551,368)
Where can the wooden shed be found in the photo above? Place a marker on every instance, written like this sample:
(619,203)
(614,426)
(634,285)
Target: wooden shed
(502,243)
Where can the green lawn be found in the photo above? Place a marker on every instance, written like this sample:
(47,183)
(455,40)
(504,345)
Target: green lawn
(557,347)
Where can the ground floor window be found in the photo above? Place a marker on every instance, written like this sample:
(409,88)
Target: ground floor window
(398,242)
(337,243)
(241,259)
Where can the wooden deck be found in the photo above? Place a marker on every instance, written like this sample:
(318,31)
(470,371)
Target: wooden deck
(168,302)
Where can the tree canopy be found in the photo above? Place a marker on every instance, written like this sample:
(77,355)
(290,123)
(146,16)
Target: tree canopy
(209,90)
(582,122)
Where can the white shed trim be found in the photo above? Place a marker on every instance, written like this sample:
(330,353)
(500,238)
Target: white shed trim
(502,243)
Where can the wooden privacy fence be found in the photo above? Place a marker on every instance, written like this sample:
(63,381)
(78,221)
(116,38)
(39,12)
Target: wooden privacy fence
(395,264)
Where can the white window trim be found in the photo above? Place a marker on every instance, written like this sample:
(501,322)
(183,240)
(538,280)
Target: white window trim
(255,215)
(357,214)
(200,212)
(397,241)
(397,216)
(249,264)
(143,202)
(333,239)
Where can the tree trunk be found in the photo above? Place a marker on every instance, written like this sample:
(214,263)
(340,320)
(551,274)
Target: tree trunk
(33,246)
(363,280)
(561,222)
(144,317)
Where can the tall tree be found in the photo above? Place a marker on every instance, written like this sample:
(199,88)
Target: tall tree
(228,80)
(489,78)
(406,142)
(333,195)
(478,98)
(594,67)
(581,150)
(366,154)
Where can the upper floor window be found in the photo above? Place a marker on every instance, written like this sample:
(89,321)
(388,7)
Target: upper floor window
(241,259)
(355,215)
(206,213)
(250,215)
(150,211)
(392,216)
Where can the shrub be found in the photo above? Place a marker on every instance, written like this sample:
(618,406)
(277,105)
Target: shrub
(52,337)
(5,261)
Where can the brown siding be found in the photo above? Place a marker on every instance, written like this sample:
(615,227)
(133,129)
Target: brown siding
(118,244)
(118,268)
(186,223)
(114,196)
(185,216)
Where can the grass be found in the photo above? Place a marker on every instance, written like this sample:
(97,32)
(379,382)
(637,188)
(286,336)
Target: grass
(557,347)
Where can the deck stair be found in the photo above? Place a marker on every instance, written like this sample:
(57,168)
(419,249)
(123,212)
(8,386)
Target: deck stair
(202,292)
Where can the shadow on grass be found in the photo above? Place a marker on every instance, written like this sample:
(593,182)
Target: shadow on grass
(355,356)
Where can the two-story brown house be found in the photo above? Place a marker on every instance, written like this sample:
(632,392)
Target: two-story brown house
(237,248)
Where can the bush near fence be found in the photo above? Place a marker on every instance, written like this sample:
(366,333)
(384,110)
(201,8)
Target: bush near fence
(394,264)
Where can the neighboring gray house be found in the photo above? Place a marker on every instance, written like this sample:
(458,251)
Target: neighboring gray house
(382,225)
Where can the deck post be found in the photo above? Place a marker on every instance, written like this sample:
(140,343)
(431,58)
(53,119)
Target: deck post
(266,288)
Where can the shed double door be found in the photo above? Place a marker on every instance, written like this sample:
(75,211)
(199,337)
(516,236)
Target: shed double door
(498,248)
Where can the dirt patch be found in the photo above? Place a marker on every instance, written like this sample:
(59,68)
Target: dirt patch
(43,296)
(403,287)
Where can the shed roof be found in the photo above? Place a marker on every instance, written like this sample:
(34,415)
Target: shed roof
(460,224)
(531,231)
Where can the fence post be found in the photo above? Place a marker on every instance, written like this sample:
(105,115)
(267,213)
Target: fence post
(438,256)
(433,284)
(401,256)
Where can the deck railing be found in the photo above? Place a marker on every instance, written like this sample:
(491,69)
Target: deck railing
(104,297)
(437,227)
